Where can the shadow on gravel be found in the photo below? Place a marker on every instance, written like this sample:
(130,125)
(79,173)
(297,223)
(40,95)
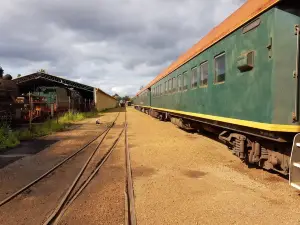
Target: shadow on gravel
(26,148)
(118,109)
(143,171)
(194,173)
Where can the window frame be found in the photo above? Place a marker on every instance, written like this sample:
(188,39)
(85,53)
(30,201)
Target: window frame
(169,85)
(193,86)
(200,74)
(179,81)
(166,87)
(174,84)
(161,90)
(251,25)
(185,87)
(215,72)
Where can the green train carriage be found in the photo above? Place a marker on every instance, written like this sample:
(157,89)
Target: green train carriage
(244,87)
(142,101)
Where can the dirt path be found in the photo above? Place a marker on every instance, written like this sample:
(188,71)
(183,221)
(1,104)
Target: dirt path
(183,178)
(33,206)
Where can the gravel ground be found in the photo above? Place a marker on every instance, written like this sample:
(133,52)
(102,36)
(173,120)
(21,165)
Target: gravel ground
(184,178)
(102,202)
(32,206)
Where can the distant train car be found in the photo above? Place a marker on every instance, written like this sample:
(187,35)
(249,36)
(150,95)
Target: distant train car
(241,81)
(61,99)
(142,101)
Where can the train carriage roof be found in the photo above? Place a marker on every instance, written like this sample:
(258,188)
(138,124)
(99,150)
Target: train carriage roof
(245,13)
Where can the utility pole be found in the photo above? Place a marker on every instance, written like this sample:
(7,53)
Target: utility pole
(30,111)
(69,104)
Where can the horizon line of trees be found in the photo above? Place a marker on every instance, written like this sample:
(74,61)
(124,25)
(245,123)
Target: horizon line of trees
(119,98)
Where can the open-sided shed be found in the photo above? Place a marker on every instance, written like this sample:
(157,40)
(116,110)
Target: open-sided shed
(31,82)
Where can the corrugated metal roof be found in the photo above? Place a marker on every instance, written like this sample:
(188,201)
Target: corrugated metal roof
(245,13)
(59,80)
(56,79)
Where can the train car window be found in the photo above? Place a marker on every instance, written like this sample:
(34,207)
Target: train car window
(194,77)
(203,69)
(185,77)
(166,87)
(179,82)
(170,85)
(159,90)
(174,84)
(220,68)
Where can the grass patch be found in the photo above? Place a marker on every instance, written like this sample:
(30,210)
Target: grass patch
(9,139)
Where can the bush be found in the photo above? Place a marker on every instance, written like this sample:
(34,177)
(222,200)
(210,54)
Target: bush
(8,139)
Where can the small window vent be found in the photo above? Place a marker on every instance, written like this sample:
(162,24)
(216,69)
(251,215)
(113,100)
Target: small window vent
(246,61)
(251,26)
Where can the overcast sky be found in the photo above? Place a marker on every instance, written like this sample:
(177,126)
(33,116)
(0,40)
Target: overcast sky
(116,45)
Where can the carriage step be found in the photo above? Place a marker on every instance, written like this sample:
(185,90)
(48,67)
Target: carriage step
(296,164)
(294,170)
(296,185)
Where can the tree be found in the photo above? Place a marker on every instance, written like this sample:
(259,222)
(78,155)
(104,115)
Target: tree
(19,75)
(1,72)
(126,98)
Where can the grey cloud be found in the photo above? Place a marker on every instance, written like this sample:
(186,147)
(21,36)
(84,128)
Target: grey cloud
(115,45)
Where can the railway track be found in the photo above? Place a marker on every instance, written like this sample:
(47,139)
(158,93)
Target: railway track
(85,176)
(26,187)
(130,217)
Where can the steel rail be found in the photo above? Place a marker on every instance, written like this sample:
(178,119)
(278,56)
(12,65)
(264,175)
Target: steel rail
(88,180)
(63,201)
(129,184)
(12,196)
(73,185)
